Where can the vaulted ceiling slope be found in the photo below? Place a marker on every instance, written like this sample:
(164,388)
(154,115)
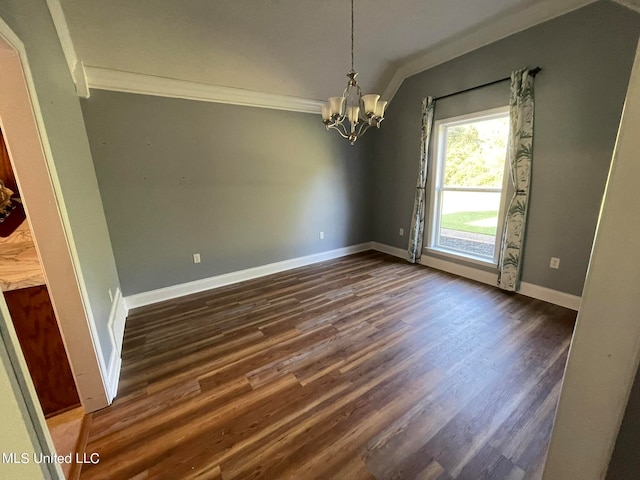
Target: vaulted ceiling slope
(295,48)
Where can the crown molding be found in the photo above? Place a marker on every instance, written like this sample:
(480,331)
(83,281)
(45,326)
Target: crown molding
(80,79)
(62,29)
(488,33)
(631,4)
(118,81)
(76,68)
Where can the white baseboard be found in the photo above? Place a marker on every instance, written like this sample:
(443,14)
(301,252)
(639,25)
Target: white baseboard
(114,377)
(528,289)
(482,276)
(176,291)
(384,248)
(552,296)
(117,319)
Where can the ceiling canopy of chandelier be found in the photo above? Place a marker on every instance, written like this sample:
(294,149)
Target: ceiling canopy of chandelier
(353,113)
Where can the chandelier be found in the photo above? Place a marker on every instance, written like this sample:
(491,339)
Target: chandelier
(353,113)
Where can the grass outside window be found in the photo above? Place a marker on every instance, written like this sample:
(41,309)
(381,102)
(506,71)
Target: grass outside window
(467,221)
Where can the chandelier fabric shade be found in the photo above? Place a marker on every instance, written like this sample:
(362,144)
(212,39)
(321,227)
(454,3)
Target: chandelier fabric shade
(353,113)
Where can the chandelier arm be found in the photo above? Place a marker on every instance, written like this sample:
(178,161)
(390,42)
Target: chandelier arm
(362,128)
(340,128)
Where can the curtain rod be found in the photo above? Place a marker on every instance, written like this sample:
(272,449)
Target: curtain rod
(532,72)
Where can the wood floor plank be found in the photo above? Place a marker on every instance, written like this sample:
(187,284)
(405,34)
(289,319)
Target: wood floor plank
(456,443)
(364,368)
(239,435)
(328,451)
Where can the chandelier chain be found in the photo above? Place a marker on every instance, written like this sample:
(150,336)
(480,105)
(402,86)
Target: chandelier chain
(352,35)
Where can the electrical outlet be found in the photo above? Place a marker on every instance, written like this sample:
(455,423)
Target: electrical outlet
(555,263)
(196,258)
(321,235)
(402,232)
(111,295)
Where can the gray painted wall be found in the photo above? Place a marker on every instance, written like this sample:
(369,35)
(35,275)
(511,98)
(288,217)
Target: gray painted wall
(31,22)
(242,186)
(625,461)
(586,58)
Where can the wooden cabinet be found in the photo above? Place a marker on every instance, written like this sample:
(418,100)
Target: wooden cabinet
(41,342)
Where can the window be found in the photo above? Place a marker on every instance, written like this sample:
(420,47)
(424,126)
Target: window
(469,184)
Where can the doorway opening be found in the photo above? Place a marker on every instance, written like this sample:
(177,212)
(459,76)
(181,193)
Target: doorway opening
(53,345)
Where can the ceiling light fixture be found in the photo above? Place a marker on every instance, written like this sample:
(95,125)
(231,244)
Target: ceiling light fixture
(361,111)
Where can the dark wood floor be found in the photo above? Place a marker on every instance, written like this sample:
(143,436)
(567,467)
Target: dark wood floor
(364,367)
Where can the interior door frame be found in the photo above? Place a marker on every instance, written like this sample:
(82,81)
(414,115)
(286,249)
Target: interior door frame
(32,161)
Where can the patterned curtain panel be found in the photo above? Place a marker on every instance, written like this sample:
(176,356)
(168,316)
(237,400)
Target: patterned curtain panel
(419,205)
(519,157)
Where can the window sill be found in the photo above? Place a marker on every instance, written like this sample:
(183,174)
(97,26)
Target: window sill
(462,256)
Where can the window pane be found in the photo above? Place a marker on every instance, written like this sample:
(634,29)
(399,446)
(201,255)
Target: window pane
(475,153)
(469,221)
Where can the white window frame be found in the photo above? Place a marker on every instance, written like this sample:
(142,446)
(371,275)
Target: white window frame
(437,189)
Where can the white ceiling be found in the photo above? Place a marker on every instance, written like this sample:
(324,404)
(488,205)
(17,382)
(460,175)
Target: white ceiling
(297,48)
